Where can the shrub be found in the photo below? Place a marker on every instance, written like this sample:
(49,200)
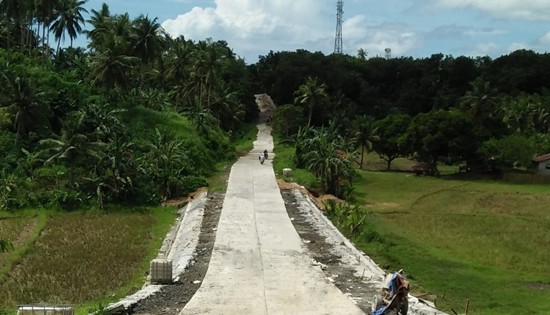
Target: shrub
(189,184)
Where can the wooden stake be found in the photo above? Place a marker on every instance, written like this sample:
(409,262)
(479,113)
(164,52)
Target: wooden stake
(467,306)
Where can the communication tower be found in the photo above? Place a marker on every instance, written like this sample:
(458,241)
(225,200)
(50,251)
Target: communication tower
(338,39)
(388,53)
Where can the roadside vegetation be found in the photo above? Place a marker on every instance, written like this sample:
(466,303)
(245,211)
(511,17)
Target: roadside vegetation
(95,139)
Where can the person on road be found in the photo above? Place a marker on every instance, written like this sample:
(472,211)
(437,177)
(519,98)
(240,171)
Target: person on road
(265,154)
(261,158)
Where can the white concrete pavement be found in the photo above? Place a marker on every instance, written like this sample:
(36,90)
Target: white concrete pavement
(259,264)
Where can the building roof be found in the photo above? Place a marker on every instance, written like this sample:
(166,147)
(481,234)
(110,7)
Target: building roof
(542,158)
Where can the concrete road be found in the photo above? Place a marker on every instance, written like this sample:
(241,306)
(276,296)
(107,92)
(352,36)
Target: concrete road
(259,264)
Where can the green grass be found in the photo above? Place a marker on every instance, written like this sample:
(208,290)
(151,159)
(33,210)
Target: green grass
(144,120)
(86,256)
(244,139)
(284,158)
(482,240)
(460,239)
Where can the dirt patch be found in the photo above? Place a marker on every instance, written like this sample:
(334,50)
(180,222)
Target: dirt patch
(182,201)
(539,286)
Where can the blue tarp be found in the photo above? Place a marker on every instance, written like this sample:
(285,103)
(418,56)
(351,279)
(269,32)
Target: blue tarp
(393,290)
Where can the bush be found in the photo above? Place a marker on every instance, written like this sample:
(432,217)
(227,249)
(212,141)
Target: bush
(189,184)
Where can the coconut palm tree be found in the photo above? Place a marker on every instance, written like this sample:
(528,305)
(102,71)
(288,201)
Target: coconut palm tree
(480,101)
(365,135)
(207,66)
(45,16)
(311,94)
(226,107)
(146,35)
(26,105)
(72,146)
(112,68)
(68,19)
(101,22)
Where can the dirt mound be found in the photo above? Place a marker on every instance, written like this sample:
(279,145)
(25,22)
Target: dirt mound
(266,106)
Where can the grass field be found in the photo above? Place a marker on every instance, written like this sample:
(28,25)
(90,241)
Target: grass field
(486,241)
(80,257)
(459,239)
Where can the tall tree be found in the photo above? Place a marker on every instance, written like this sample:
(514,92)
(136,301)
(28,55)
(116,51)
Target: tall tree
(207,67)
(68,19)
(311,94)
(480,101)
(146,34)
(45,15)
(390,131)
(26,104)
(101,23)
(112,68)
(365,135)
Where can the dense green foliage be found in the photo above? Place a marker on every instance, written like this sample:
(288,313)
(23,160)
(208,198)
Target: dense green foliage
(138,118)
(458,107)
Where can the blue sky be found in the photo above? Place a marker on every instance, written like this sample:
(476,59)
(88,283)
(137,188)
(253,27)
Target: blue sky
(417,28)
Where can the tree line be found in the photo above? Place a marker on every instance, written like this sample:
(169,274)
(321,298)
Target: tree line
(488,116)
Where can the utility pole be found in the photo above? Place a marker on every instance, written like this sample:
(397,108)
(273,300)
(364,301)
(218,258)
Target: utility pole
(338,39)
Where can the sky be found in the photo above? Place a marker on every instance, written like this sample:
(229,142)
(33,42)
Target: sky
(409,28)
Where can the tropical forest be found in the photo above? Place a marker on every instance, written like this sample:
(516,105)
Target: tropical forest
(433,156)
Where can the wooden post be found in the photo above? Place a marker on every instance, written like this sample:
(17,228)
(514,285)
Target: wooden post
(467,306)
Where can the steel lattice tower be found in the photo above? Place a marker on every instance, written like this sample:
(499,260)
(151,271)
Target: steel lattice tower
(338,39)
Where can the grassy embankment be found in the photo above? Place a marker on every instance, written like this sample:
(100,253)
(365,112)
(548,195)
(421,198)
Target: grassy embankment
(482,240)
(89,258)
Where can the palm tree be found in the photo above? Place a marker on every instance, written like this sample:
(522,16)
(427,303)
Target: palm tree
(365,135)
(27,106)
(111,68)
(207,66)
(227,108)
(480,101)
(72,145)
(179,60)
(147,41)
(311,94)
(101,22)
(167,161)
(45,16)
(68,19)
(328,158)
(362,54)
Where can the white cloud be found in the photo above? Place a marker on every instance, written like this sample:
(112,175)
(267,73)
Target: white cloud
(531,10)
(257,25)
(375,39)
(516,46)
(484,49)
(545,39)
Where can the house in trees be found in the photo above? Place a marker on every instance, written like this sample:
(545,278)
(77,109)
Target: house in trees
(541,164)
